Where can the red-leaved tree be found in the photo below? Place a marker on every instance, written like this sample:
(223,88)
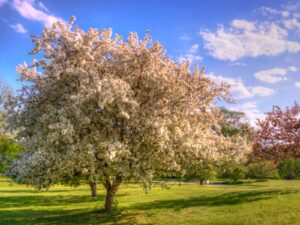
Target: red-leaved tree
(279,135)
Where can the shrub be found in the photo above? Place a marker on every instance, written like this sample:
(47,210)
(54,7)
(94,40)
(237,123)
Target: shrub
(206,172)
(232,171)
(262,170)
(290,169)
(9,150)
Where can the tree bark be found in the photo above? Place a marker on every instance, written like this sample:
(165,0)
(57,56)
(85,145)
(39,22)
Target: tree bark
(201,182)
(109,200)
(93,187)
(111,190)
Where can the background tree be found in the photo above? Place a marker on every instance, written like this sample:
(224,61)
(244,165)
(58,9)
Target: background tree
(5,93)
(235,123)
(9,149)
(262,170)
(289,169)
(204,170)
(232,171)
(278,136)
(112,110)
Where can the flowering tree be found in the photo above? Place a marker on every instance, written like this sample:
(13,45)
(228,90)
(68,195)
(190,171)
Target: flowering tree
(237,135)
(279,135)
(111,110)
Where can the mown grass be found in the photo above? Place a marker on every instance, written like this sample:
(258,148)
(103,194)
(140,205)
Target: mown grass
(271,202)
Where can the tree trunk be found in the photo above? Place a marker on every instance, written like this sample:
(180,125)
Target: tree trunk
(109,200)
(93,187)
(201,182)
(111,190)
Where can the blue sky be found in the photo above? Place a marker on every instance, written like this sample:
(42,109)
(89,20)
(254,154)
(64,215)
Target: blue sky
(253,45)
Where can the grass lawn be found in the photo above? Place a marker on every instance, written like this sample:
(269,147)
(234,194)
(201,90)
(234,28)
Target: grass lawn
(271,202)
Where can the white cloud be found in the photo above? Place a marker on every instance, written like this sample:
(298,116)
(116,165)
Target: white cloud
(292,24)
(266,11)
(286,16)
(251,111)
(27,10)
(243,24)
(262,91)
(190,58)
(194,48)
(274,75)
(244,40)
(297,84)
(239,90)
(2,2)
(19,28)
(184,37)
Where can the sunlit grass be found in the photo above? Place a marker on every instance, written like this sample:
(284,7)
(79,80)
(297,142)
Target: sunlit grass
(271,202)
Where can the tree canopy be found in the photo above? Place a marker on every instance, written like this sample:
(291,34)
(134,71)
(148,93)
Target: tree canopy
(278,136)
(112,110)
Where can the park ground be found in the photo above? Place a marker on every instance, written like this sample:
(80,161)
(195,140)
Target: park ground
(274,202)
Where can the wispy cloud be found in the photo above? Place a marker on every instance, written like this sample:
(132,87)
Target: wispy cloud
(19,28)
(266,36)
(267,11)
(243,24)
(261,91)
(238,41)
(292,24)
(274,75)
(27,9)
(194,48)
(190,56)
(239,90)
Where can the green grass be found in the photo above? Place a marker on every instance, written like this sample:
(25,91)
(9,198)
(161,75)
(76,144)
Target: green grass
(271,202)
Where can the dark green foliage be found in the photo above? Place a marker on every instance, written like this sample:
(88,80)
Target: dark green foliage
(262,170)
(229,131)
(234,123)
(232,171)
(206,172)
(290,169)
(9,151)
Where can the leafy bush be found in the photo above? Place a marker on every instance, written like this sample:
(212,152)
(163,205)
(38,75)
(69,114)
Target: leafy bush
(290,169)
(232,171)
(262,170)
(206,172)
(9,151)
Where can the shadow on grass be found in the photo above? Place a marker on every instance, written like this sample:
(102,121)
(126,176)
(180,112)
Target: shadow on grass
(24,210)
(39,200)
(65,217)
(37,191)
(232,198)
(32,215)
